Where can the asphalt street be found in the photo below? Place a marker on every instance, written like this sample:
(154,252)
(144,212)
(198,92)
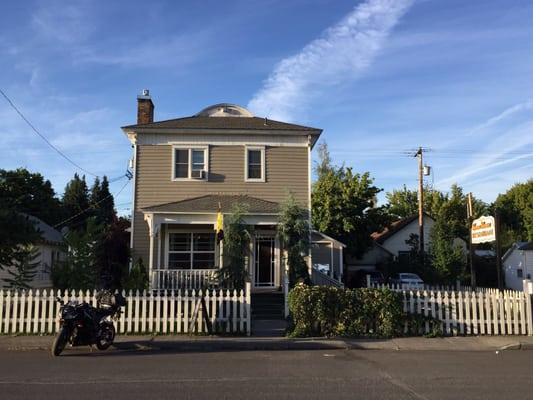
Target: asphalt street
(316,374)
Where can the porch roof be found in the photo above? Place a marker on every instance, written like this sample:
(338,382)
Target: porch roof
(209,204)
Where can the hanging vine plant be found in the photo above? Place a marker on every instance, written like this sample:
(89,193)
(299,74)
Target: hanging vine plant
(236,249)
(293,233)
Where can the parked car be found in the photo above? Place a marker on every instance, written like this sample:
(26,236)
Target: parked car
(409,280)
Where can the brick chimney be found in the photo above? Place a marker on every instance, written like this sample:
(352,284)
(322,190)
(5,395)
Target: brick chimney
(145,108)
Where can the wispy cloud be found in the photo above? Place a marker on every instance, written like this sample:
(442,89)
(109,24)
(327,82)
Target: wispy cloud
(343,52)
(517,108)
(66,23)
(507,148)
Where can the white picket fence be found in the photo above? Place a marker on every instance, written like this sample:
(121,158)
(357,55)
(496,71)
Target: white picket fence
(173,312)
(481,312)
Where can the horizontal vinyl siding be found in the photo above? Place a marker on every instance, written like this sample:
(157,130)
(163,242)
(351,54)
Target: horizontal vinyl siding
(286,170)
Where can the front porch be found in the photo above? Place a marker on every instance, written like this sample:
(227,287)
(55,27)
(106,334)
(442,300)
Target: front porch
(185,254)
(188,256)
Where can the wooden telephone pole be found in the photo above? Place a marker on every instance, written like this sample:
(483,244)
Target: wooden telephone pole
(470,214)
(420,201)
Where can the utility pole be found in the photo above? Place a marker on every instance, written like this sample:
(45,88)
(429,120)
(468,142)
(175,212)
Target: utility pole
(420,201)
(470,215)
(498,248)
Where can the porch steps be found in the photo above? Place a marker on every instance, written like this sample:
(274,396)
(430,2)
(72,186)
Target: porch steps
(267,306)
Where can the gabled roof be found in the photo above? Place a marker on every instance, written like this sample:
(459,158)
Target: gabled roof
(48,234)
(395,227)
(523,246)
(317,236)
(209,204)
(223,123)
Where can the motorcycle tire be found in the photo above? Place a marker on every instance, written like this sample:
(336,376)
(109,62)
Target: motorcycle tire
(105,337)
(60,341)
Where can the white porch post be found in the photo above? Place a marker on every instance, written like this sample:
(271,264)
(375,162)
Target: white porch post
(153,231)
(158,266)
(285,283)
(332,260)
(341,263)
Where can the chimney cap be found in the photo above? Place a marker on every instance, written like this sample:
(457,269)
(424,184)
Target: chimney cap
(145,94)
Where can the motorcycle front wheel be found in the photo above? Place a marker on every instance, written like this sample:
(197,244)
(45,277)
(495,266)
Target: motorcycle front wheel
(106,336)
(60,342)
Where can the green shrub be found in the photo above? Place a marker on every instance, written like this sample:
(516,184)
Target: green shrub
(329,311)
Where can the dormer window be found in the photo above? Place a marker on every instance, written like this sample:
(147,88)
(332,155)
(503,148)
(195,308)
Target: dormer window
(189,163)
(254,164)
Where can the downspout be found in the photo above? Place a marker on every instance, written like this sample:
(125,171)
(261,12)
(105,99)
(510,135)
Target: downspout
(310,266)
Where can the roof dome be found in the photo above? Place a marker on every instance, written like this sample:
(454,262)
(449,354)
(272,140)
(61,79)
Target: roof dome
(224,110)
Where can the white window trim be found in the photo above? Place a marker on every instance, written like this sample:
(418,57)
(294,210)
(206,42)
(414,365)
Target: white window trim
(263,164)
(190,252)
(190,148)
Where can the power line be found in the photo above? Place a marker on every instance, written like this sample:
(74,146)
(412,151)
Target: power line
(92,206)
(44,137)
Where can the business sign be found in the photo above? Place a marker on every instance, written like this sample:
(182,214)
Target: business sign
(483,230)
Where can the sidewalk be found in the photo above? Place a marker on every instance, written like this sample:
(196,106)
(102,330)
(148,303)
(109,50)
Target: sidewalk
(216,343)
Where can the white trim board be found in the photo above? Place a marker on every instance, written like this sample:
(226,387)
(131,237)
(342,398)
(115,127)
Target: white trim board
(222,140)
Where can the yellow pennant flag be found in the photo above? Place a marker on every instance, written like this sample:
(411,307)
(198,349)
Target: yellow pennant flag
(219,226)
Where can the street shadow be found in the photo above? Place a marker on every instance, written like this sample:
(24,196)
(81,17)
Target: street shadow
(150,348)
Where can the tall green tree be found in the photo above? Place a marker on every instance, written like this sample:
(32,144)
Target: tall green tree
(324,164)
(403,203)
(76,201)
(80,269)
(293,233)
(29,193)
(343,206)
(447,259)
(102,202)
(112,253)
(22,268)
(516,213)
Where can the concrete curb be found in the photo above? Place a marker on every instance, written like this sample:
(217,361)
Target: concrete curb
(217,343)
(185,344)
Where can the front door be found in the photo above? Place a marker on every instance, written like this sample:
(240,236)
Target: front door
(264,262)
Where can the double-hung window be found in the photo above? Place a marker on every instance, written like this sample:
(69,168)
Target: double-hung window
(191,250)
(190,163)
(254,168)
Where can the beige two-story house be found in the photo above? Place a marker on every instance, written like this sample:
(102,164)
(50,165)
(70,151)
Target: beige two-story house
(185,169)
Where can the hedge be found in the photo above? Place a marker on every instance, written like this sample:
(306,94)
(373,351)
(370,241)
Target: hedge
(330,311)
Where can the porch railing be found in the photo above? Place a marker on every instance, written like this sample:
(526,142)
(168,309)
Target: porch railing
(174,279)
(321,279)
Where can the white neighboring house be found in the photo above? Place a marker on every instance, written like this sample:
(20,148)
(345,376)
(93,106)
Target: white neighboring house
(50,250)
(391,243)
(518,264)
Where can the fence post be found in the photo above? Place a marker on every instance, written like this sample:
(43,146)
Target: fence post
(526,284)
(368,280)
(248,293)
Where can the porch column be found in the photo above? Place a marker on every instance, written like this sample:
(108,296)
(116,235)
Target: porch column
(332,260)
(341,263)
(153,232)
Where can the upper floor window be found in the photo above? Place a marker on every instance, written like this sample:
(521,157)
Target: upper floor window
(254,164)
(189,163)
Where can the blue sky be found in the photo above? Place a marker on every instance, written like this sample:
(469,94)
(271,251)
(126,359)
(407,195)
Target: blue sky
(381,77)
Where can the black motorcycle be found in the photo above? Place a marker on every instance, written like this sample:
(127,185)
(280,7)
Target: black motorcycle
(84,325)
